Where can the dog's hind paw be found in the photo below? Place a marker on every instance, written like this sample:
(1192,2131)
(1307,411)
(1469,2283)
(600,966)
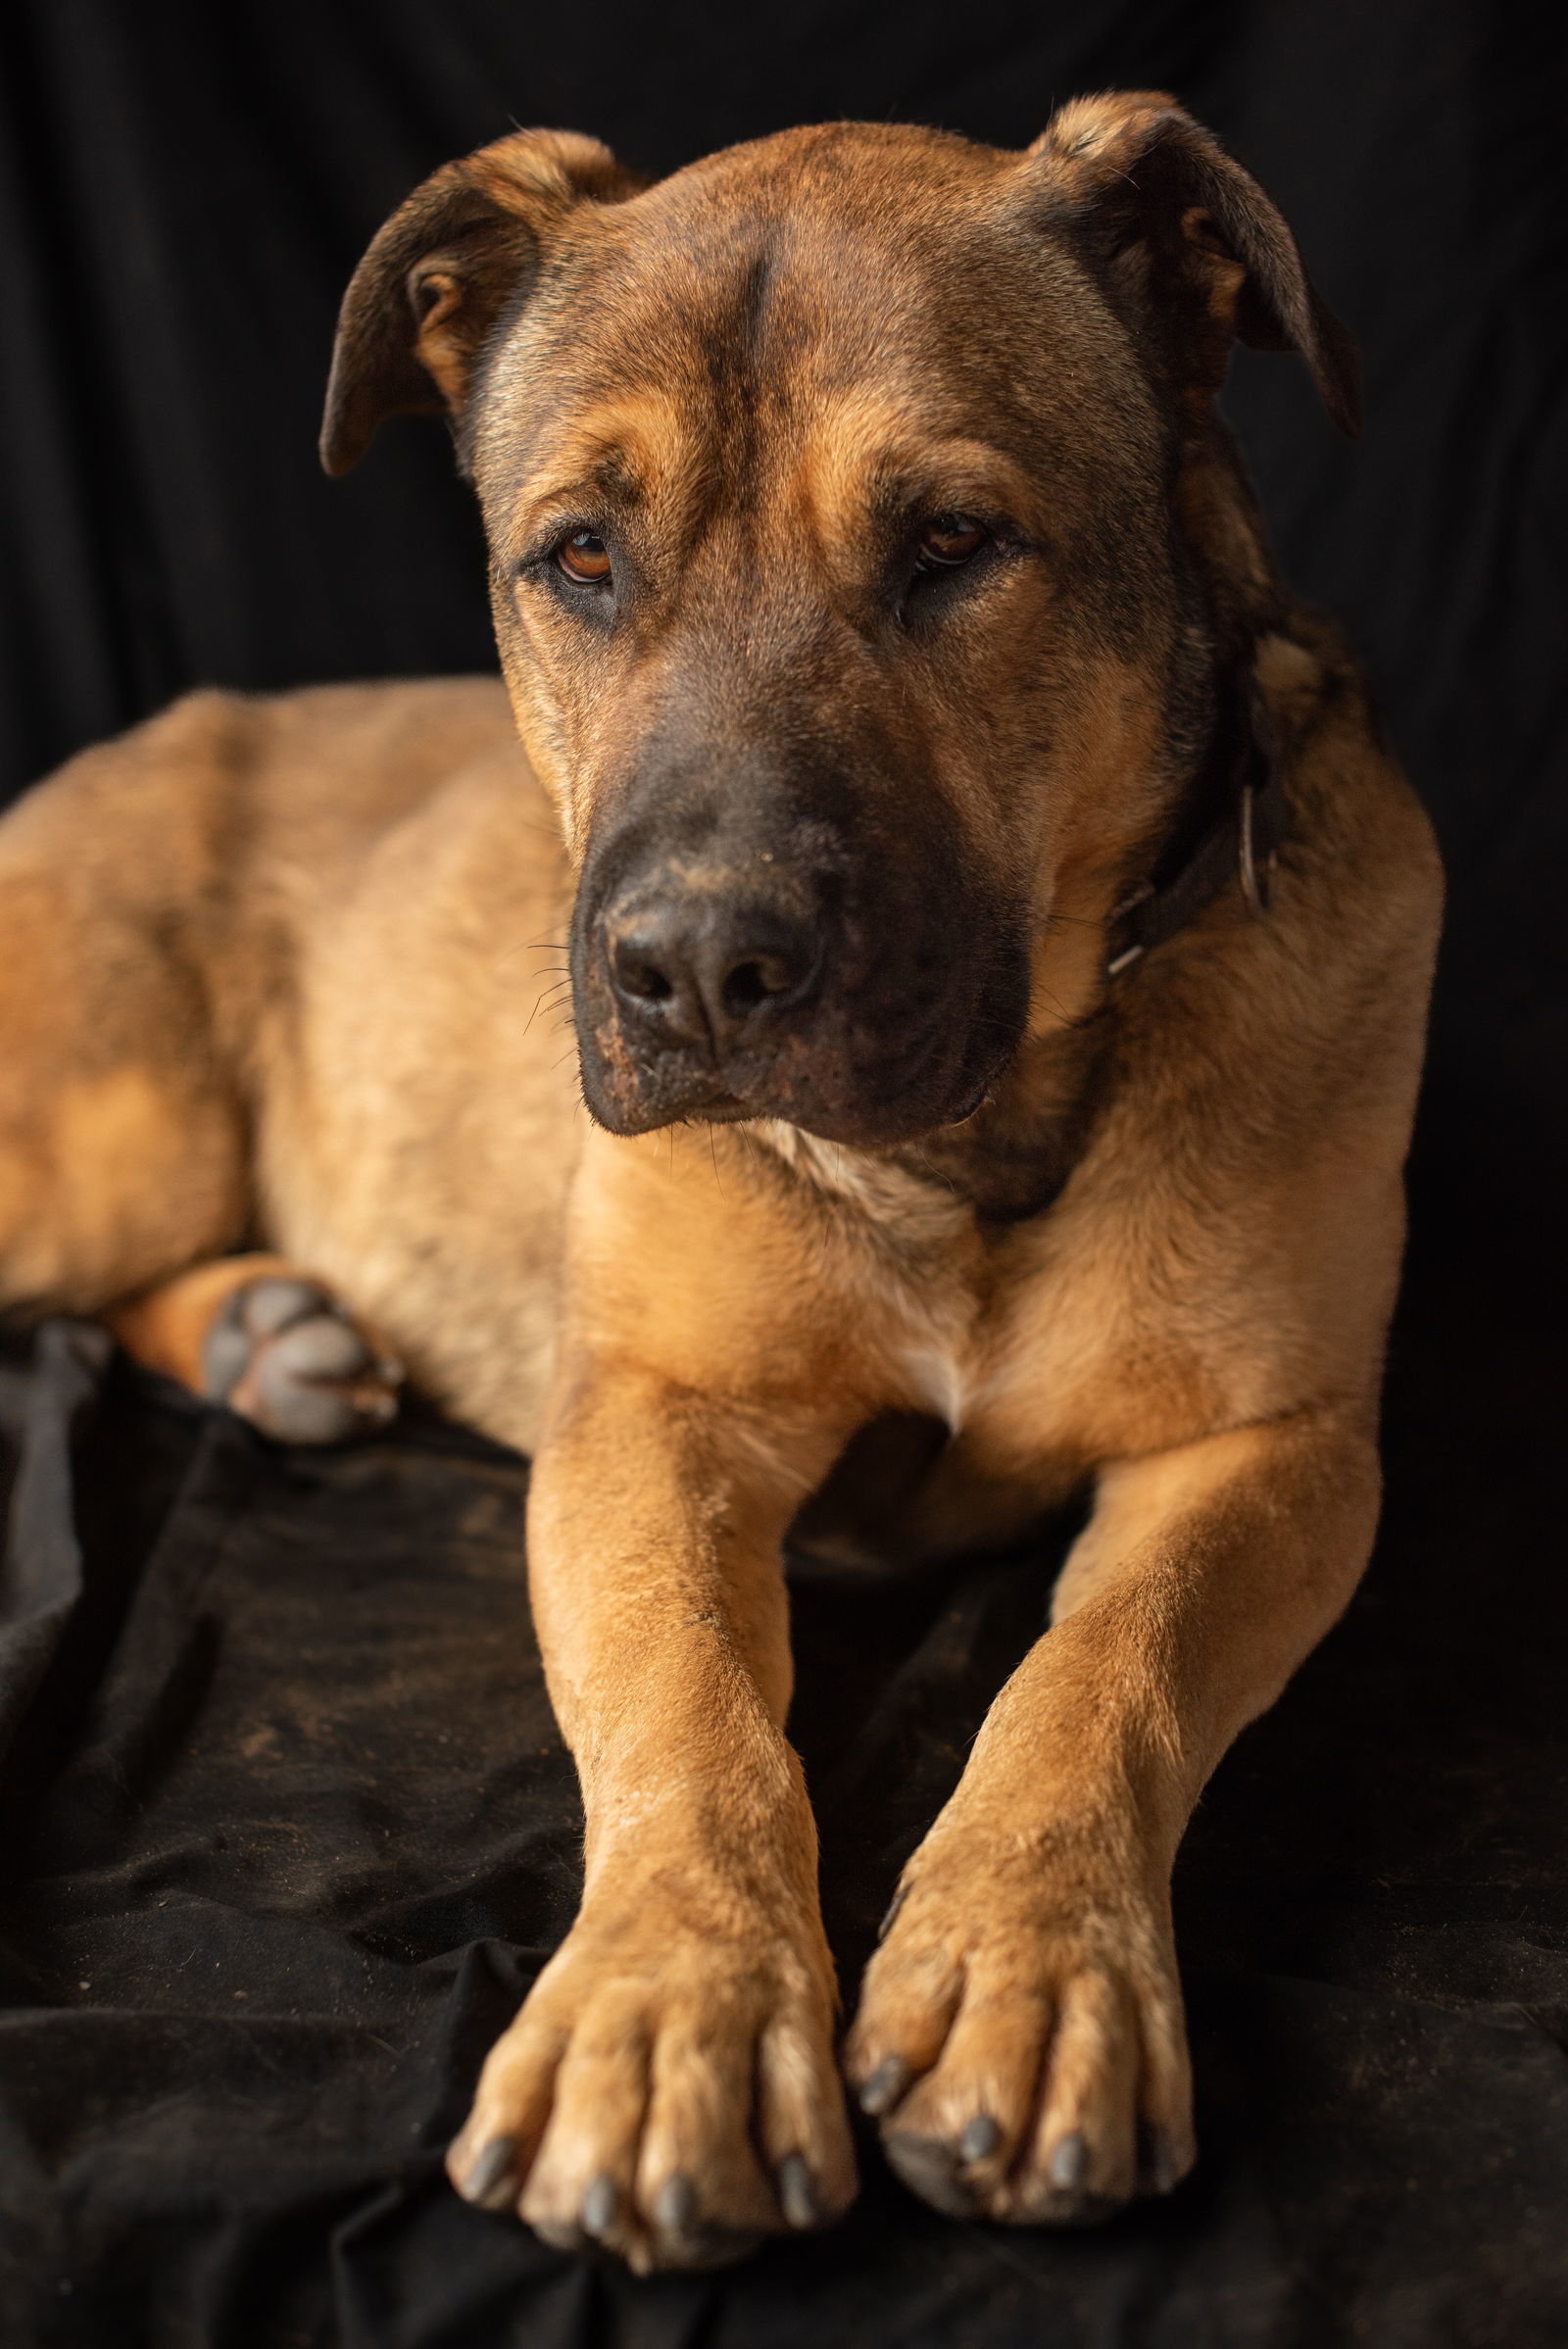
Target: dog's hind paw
(283,1354)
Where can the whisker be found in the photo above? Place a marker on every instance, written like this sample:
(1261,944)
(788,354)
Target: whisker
(536,945)
(550,994)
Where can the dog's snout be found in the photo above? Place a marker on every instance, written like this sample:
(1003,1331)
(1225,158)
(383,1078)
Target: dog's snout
(690,968)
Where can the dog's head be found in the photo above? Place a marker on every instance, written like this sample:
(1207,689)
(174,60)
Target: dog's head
(840,492)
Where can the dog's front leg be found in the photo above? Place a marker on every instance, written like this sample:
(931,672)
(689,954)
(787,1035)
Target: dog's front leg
(1022,2027)
(671,2087)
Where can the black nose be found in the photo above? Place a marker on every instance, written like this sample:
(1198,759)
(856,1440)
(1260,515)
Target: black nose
(688,968)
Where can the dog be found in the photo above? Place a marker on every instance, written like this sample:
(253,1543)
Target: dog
(997,942)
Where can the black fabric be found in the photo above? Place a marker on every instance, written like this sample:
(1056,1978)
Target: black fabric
(288,1830)
(286,1825)
(184,190)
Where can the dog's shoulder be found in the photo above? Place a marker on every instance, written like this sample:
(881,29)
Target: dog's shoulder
(1336,965)
(222,783)
(1357,818)
(330,768)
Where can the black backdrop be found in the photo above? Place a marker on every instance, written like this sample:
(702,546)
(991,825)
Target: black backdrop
(184,190)
(1376,1896)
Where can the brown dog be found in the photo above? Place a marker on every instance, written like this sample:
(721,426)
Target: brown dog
(998,946)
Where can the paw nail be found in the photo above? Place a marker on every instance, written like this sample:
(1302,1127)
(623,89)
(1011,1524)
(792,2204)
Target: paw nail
(797,2196)
(491,2170)
(928,2169)
(677,2206)
(894,1906)
(1070,2163)
(980,2139)
(886,2085)
(599,2205)
(1161,2168)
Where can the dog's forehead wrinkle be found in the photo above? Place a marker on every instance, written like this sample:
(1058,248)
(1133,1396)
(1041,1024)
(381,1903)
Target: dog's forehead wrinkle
(696,344)
(717,265)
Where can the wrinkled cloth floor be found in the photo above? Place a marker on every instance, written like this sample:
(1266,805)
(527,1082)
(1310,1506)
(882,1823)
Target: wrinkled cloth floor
(288,1830)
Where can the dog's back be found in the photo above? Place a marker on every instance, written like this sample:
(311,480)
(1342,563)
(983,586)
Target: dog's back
(155,900)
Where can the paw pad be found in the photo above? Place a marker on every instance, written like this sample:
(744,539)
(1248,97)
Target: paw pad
(283,1355)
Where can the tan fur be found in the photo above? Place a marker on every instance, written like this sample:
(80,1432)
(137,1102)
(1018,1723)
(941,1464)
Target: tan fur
(291,973)
(167,1327)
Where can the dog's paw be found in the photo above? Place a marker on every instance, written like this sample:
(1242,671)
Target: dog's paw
(284,1354)
(670,2096)
(1022,2042)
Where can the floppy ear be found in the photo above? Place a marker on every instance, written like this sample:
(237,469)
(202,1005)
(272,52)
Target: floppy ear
(1194,242)
(424,301)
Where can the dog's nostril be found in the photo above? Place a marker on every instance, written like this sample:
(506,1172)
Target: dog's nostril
(750,983)
(704,975)
(638,972)
(644,979)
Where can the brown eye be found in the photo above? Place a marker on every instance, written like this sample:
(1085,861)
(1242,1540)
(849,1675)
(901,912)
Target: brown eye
(952,539)
(585,558)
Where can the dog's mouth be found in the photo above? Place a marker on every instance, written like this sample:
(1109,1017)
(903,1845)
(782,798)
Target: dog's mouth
(825,954)
(845,1071)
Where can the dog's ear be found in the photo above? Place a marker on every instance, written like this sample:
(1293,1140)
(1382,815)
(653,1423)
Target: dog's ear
(424,301)
(1190,242)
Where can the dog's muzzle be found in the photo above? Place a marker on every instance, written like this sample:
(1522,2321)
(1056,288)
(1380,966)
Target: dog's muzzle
(697,1000)
(804,939)
(699,992)
(695,971)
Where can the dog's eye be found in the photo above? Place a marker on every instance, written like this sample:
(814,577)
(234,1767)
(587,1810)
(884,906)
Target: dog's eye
(584,558)
(952,539)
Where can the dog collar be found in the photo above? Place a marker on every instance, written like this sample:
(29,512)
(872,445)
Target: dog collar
(1243,772)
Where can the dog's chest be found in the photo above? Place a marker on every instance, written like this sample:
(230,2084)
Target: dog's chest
(1038,1345)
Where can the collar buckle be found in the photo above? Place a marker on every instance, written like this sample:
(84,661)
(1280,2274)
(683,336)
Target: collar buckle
(1255,878)
(1244,841)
